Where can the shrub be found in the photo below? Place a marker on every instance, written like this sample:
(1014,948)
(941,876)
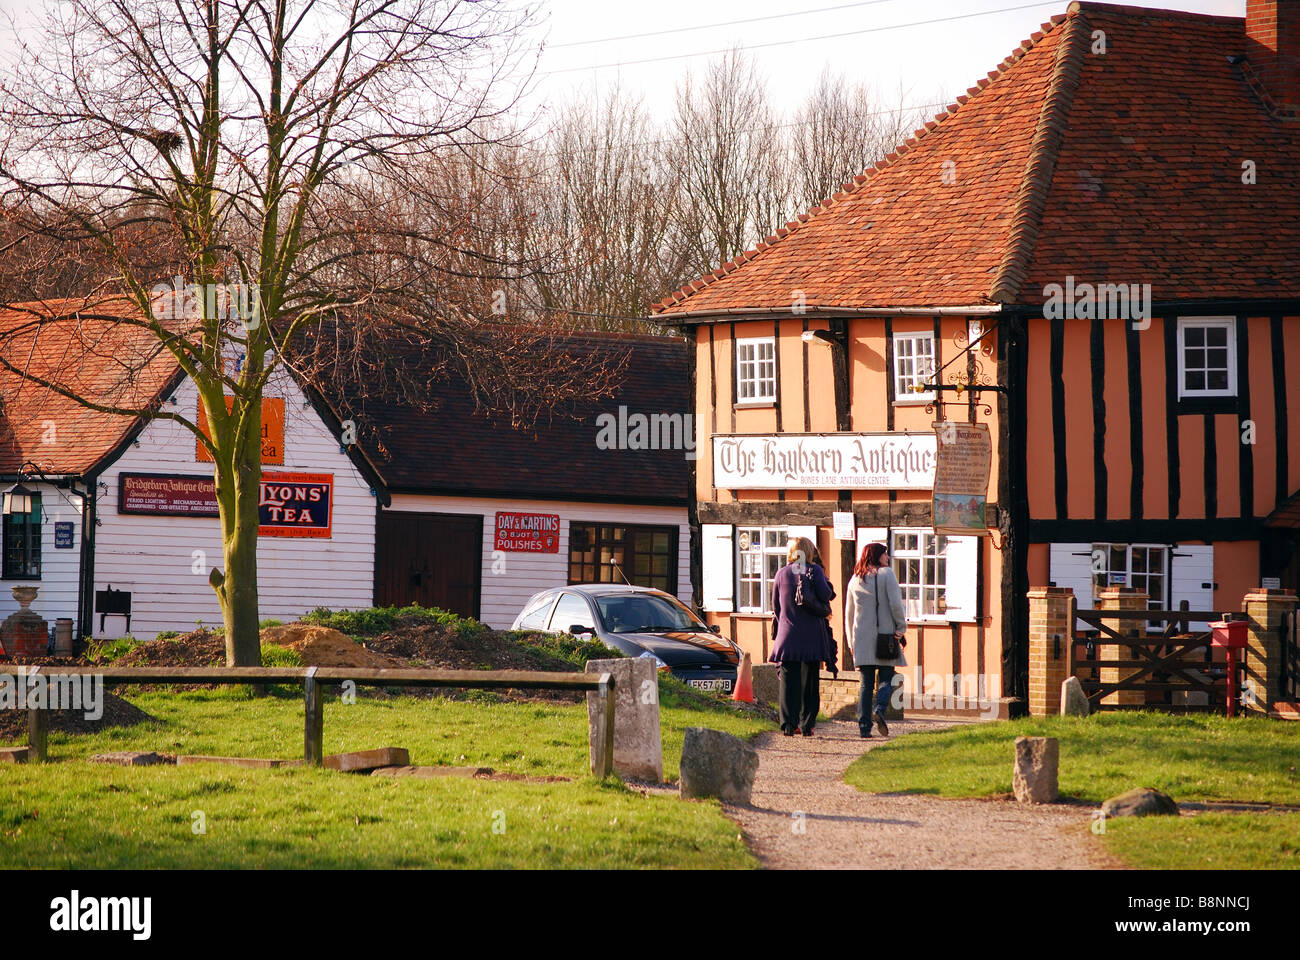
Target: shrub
(274,655)
(377,620)
(265,624)
(107,651)
(575,650)
(168,635)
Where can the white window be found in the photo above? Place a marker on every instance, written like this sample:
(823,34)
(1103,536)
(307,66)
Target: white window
(760,553)
(1207,357)
(919,559)
(1141,565)
(913,366)
(756,370)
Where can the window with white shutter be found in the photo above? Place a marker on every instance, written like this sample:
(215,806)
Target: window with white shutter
(717,560)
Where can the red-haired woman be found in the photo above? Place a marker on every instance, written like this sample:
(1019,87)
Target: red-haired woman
(873,605)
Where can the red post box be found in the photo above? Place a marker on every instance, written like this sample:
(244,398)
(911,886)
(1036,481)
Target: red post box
(1231,636)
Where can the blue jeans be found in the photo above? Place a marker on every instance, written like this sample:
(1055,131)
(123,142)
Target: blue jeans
(883,692)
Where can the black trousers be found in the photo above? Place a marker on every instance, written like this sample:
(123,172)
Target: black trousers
(800,693)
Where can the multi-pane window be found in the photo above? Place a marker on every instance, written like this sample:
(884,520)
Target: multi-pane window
(647,556)
(920,561)
(22,543)
(760,553)
(756,370)
(1207,361)
(913,365)
(1140,565)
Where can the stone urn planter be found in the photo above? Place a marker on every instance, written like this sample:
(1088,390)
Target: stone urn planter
(25,595)
(24,633)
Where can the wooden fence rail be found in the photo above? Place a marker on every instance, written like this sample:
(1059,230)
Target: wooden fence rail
(313,679)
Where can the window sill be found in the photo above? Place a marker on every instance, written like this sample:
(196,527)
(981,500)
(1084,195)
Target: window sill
(915,400)
(1194,405)
(753,404)
(753,614)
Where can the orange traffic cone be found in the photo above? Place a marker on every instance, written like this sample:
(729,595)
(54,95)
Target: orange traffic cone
(744,692)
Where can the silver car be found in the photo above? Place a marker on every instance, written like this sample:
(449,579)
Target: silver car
(638,622)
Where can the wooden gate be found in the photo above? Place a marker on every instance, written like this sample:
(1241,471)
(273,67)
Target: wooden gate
(433,559)
(1175,669)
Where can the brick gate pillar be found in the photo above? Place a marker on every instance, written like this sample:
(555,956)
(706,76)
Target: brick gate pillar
(1263,655)
(1051,649)
(1121,598)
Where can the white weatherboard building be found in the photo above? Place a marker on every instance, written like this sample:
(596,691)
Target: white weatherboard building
(451,510)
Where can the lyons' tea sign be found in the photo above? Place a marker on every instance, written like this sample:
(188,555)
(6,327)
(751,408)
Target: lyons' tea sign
(295,504)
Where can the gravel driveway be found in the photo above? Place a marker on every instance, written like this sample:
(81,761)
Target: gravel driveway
(844,828)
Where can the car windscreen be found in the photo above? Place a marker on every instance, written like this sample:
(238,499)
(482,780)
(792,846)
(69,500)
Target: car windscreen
(645,613)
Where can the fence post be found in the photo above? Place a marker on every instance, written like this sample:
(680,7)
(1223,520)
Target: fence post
(1121,598)
(313,740)
(1265,610)
(38,729)
(602,764)
(1051,640)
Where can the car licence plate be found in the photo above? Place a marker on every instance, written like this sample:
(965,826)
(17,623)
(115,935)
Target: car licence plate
(723,685)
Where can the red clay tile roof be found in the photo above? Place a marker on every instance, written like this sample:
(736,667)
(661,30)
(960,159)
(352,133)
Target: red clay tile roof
(459,451)
(1122,167)
(73,344)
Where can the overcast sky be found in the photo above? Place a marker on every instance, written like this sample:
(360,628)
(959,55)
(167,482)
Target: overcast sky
(869,40)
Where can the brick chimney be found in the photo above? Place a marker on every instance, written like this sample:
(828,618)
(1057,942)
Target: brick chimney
(1273,48)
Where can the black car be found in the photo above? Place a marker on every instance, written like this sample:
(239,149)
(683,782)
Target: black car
(639,622)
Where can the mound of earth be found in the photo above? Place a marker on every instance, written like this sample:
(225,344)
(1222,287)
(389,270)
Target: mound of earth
(199,648)
(325,647)
(117,713)
(446,648)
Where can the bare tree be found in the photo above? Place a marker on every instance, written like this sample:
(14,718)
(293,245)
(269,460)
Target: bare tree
(257,137)
(606,204)
(729,157)
(840,130)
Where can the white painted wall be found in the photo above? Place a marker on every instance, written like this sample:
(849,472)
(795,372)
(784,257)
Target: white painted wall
(504,594)
(57,587)
(153,557)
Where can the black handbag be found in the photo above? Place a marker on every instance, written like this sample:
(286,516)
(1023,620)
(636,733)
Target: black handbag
(809,602)
(887,647)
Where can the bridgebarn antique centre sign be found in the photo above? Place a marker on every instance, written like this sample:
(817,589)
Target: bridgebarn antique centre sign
(840,461)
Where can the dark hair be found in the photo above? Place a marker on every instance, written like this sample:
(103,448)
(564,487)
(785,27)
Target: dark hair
(869,562)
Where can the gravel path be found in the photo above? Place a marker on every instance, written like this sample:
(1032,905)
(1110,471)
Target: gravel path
(844,828)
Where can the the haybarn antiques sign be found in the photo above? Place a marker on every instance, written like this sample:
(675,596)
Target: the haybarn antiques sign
(840,461)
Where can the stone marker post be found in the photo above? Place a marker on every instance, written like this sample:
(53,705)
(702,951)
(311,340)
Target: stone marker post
(1051,651)
(638,747)
(1034,778)
(1261,688)
(1121,598)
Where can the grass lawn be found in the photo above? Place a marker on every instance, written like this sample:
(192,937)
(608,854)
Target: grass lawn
(1194,757)
(76,814)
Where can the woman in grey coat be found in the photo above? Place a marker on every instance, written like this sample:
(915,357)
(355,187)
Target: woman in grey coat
(873,587)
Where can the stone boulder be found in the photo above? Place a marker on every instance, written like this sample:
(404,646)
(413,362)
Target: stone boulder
(638,746)
(1037,763)
(1140,802)
(716,764)
(1074,702)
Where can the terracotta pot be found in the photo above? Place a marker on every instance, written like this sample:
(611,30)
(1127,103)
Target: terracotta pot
(25,595)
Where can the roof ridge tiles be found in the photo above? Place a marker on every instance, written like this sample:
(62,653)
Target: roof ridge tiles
(1154,13)
(1048,133)
(695,286)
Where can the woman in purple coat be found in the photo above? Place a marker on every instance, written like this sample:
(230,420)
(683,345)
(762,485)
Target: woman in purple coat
(803,642)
